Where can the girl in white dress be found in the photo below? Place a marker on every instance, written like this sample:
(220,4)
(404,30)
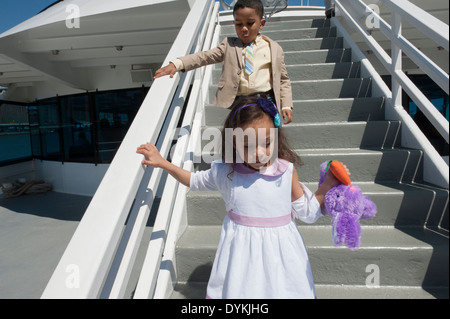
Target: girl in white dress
(261,253)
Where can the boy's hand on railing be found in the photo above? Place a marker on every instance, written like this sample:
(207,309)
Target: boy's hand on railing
(169,69)
(152,156)
(287,116)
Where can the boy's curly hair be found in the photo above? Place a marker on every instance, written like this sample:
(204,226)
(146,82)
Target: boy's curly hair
(254,4)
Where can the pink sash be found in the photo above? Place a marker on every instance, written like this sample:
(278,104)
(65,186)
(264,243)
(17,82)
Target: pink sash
(260,221)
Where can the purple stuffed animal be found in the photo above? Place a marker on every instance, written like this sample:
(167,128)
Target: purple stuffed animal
(346,205)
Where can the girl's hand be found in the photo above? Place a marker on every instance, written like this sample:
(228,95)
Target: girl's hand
(152,156)
(331,181)
(154,159)
(169,69)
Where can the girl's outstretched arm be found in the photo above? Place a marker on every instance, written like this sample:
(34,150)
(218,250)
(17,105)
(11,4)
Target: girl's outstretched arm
(154,159)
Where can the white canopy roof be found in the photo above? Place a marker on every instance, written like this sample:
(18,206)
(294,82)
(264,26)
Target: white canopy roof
(111,33)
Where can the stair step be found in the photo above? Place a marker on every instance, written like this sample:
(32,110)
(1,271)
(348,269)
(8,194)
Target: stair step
(324,71)
(387,165)
(317,71)
(326,110)
(388,248)
(348,109)
(379,134)
(197,290)
(366,165)
(297,33)
(290,45)
(317,56)
(284,25)
(373,134)
(323,89)
(329,89)
(397,204)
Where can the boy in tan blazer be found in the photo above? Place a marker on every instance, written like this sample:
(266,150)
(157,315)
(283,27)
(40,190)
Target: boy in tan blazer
(267,75)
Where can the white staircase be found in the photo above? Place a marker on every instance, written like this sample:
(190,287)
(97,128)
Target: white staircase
(342,111)
(336,116)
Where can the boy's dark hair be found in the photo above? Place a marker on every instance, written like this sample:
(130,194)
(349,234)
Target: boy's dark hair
(248,114)
(254,4)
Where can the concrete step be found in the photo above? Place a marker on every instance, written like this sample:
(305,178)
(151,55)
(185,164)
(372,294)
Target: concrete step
(388,248)
(347,109)
(197,290)
(311,111)
(380,166)
(317,56)
(316,71)
(284,25)
(294,33)
(290,45)
(398,205)
(373,134)
(299,61)
(330,89)
(324,71)
(366,165)
(323,89)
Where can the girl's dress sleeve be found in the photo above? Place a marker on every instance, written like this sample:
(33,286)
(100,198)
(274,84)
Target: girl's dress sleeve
(203,181)
(208,180)
(307,207)
(214,179)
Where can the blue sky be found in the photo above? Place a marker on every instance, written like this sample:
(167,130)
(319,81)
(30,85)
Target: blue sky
(13,12)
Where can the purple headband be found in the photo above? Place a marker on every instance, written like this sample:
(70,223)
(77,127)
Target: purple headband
(267,106)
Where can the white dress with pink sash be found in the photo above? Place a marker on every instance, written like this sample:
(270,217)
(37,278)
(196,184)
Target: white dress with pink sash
(261,253)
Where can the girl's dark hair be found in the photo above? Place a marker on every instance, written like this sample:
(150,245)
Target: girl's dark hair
(241,117)
(254,4)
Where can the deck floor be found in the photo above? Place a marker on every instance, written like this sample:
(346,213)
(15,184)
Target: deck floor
(34,232)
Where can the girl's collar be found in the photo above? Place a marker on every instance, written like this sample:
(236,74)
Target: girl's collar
(278,167)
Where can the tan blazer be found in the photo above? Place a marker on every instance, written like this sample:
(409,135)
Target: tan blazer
(230,53)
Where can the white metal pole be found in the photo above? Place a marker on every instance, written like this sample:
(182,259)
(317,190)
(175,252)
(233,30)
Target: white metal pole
(396,56)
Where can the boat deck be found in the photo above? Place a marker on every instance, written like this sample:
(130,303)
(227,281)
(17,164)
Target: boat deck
(34,232)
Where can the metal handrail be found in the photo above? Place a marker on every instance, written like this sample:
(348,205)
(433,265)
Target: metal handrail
(151,266)
(435,169)
(85,263)
(399,44)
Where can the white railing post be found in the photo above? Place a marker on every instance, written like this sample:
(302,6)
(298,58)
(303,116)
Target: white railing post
(396,57)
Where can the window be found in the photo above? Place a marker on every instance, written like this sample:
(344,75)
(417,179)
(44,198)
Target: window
(85,127)
(35,136)
(114,112)
(77,129)
(50,129)
(15,141)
